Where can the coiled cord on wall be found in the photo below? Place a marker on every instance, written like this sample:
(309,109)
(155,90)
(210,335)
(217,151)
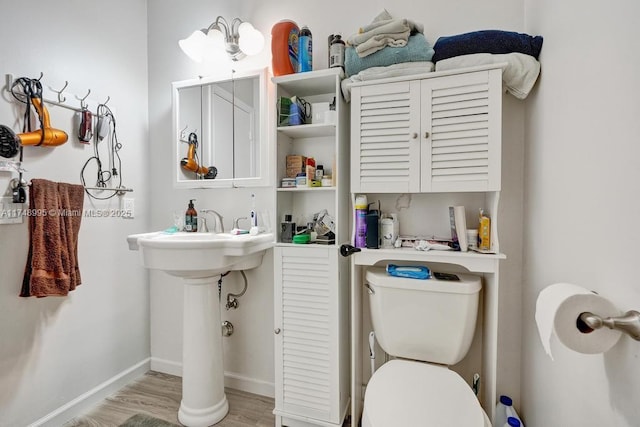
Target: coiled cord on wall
(103,177)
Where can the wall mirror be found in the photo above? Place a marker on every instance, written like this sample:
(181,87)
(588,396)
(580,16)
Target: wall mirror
(220,131)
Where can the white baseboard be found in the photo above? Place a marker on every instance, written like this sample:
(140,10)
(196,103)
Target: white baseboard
(166,366)
(85,401)
(231,379)
(250,385)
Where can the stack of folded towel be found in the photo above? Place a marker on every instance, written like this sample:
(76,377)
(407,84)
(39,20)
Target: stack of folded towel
(386,41)
(381,46)
(383,31)
(519,51)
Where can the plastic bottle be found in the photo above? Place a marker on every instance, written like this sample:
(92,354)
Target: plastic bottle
(500,417)
(512,422)
(191,218)
(361,207)
(336,52)
(305,51)
(288,230)
(284,47)
(511,413)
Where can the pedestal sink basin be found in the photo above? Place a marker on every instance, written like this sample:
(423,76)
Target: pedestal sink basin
(199,259)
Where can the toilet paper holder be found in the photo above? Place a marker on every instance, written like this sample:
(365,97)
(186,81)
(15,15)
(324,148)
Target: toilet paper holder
(628,323)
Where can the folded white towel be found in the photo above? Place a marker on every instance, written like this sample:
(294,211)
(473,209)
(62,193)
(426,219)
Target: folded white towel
(395,70)
(519,76)
(383,31)
(381,41)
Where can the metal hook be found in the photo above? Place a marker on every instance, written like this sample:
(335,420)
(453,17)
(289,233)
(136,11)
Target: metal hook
(82,104)
(61,98)
(108,99)
(41,76)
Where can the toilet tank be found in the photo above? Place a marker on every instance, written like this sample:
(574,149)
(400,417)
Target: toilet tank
(430,320)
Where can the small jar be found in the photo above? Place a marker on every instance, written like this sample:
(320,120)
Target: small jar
(327,181)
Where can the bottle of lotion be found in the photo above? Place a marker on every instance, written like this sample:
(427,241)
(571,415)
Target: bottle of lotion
(191,218)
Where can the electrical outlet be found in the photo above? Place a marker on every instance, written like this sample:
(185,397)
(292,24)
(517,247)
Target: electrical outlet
(128,207)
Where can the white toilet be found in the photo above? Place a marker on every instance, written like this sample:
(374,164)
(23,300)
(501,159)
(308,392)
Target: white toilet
(426,325)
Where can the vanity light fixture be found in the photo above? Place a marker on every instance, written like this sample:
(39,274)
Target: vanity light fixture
(238,39)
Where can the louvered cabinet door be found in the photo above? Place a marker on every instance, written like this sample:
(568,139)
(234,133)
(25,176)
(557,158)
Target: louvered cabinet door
(306,333)
(461,132)
(385,142)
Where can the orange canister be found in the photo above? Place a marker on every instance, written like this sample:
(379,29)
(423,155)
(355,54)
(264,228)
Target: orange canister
(284,47)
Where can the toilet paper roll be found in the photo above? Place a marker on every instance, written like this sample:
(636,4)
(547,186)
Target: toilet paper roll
(557,310)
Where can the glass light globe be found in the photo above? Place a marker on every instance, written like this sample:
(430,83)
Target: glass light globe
(193,46)
(216,38)
(250,41)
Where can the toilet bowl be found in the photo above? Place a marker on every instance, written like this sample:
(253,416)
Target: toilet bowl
(426,325)
(405,393)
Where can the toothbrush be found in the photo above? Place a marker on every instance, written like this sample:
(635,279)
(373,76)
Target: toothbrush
(253,214)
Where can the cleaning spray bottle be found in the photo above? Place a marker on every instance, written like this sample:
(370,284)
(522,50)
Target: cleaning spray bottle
(191,218)
(360,229)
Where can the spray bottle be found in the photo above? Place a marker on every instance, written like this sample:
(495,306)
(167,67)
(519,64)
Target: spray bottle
(360,228)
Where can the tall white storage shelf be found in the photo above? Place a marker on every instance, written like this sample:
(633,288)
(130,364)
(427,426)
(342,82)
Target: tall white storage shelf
(433,133)
(312,280)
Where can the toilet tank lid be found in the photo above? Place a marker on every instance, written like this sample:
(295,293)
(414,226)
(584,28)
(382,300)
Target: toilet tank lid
(410,393)
(468,283)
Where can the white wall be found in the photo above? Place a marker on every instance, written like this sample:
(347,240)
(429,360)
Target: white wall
(54,349)
(581,203)
(169,22)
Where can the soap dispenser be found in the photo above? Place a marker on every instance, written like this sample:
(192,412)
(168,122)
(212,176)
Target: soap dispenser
(191,218)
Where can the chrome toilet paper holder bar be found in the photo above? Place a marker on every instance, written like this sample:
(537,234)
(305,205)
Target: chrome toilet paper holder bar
(628,323)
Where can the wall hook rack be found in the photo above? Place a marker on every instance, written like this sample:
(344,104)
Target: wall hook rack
(56,97)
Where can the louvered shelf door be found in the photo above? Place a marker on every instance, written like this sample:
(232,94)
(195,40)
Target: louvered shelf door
(311,379)
(385,143)
(441,133)
(461,132)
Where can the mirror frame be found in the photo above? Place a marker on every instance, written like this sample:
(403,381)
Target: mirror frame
(263,131)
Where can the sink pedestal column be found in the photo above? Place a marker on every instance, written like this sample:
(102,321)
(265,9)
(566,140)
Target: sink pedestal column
(203,400)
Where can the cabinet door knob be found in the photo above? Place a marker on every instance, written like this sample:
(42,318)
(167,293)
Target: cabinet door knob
(276,331)
(426,135)
(414,135)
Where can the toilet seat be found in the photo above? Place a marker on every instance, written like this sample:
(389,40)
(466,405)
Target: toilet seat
(406,393)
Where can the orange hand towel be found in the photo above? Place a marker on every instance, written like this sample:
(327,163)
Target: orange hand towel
(55,210)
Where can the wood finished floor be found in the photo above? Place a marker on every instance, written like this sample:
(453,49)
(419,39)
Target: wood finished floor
(159,395)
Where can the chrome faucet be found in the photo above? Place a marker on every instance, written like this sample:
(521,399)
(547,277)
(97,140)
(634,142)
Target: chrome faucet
(219,225)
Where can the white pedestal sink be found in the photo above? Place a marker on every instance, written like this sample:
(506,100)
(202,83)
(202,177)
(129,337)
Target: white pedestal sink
(199,259)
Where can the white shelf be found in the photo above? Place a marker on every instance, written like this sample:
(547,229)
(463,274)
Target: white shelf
(309,83)
(307,245)
(295,189)
(473,261)
(312,130)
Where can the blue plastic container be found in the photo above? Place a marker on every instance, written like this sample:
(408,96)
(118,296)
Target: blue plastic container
(305,50)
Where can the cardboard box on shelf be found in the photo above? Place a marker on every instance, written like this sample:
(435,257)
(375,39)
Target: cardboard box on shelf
(295,161)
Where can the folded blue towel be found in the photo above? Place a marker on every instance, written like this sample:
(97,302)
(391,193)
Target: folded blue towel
(417,49)
(487,41)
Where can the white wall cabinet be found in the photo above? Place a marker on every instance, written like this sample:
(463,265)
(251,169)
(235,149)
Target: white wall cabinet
(312,280)
(438,133)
